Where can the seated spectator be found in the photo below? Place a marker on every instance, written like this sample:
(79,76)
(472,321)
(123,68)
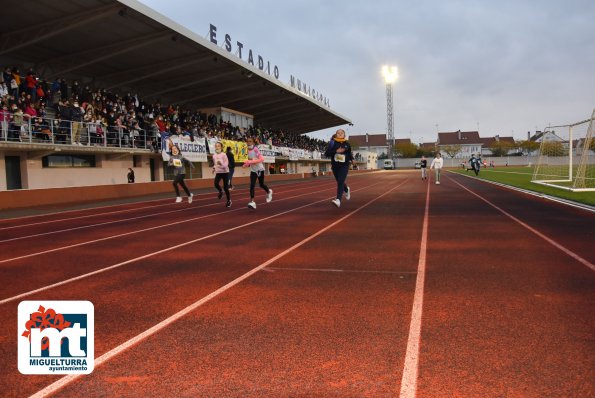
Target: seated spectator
(41,130)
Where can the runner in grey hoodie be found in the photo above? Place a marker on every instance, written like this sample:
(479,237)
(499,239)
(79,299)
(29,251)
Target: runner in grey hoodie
(176,160)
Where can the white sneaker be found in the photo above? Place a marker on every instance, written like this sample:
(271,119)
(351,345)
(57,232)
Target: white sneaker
(190,198)
(178,199)
(336,202)
(270,195)
(348,193)
(437,182)
(252,205)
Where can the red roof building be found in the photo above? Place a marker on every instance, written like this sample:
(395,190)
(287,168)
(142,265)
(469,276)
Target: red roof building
(370,142)
(460,143)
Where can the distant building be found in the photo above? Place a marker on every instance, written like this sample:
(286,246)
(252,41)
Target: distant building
(371,158)
(546,136)
(428,146)
(487,143)
(468,141)
(376,143)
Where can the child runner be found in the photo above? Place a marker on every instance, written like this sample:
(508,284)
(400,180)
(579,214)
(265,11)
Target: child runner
(423,164)
(339,151)
(221,170)
(176,160)
(437,164)
(255,162)
(232,165)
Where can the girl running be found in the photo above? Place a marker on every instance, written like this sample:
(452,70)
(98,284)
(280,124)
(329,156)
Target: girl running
(232,166)
(339,151)
(221,170)
(423,164)
(255,162)
(176,160)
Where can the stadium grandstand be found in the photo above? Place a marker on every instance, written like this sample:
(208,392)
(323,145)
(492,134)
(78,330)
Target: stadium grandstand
(92,88)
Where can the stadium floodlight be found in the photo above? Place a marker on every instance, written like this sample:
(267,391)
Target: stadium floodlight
(390,74)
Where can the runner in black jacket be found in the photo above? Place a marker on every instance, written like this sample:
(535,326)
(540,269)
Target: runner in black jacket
(341,156)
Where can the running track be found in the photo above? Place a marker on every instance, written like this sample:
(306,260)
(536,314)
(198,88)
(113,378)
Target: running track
(410,289)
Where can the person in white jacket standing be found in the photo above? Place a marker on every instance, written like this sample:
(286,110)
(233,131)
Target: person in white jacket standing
(437,164)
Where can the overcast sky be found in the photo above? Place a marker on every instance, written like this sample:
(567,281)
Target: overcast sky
(507,66)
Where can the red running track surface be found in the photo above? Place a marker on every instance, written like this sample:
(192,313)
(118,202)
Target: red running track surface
(299,298)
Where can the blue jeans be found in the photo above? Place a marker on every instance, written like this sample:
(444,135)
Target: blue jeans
(340,173)
(230,176)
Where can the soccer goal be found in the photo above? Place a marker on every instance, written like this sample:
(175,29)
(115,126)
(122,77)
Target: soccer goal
(567,157)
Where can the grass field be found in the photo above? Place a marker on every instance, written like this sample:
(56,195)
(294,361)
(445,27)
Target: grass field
(521,177)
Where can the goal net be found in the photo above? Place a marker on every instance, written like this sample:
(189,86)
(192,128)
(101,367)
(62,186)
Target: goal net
(567,156)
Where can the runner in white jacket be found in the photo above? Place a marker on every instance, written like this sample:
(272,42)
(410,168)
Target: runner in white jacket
(437,164)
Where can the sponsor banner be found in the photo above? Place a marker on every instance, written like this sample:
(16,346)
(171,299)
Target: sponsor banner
(212,141)
(284,151)
(267,153)
(194,151)
(238,148)
(56,337)
(316,155)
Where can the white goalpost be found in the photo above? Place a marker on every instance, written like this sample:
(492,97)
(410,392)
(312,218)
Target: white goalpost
(567,157)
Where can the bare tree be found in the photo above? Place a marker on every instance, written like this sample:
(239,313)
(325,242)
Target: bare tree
(452,150)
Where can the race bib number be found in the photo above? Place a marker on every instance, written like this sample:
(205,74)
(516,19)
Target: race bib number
(339,157)
(177,163)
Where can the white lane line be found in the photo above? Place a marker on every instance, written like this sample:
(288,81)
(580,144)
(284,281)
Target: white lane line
(409,379)
(185,208)
(340,270)
(565,202)
(150,228)
(54,387)
(86,216)
(530,228)
(168,203)
(118,265)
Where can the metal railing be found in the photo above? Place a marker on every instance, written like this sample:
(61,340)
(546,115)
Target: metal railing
(68,132)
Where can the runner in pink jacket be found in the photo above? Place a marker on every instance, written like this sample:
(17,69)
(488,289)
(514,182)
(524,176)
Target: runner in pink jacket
(221,170)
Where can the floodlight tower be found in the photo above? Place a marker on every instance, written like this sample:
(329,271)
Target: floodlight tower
(390,75)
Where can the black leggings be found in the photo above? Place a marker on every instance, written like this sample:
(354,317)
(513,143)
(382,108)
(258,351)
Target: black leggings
(179,179)
(260,177)
(340,173)
(225,178)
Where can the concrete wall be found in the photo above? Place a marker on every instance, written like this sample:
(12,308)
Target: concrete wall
(109,171)
(448,162)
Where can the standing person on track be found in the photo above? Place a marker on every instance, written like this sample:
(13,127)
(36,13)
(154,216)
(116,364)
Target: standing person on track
(232,166)
(255,162)
(130,176)
(423,164)
(437,164)
(339,150)
(221,170)
(176,160)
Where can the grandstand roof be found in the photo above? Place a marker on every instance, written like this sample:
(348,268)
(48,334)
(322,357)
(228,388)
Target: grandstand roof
(125,46)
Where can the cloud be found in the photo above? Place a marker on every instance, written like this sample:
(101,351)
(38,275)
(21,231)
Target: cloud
(509,66)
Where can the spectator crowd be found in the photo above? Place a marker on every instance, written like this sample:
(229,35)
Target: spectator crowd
(63,113)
